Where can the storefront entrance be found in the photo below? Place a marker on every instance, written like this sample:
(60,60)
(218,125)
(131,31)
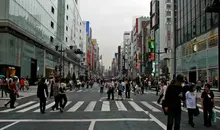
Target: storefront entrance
(33,71)
(192,76)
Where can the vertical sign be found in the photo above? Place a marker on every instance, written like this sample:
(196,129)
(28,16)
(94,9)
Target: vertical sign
(87,28)
(136,25)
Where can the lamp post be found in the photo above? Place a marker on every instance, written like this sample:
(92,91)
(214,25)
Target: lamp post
(62,50)
(158,53)
(214,7)
(61,66)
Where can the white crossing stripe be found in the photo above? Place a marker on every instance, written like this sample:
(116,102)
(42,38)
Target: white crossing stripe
(18,107)
(135,106)
(90,106)
(202,110)
(68,102)
(76,106)
(47,106)
(29,108)
(79,91)
(150,106)
(105,106)
(184,109)
(120,106)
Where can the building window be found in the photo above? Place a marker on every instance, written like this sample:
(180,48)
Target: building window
(168,6)
(66,28)
(52,24)
(80,30)
(202,45)
(67,17)
(168,20)
(52,9)
(67,7)
(168,1)
(168,13)
(212,41)
(66,39)
(51,39)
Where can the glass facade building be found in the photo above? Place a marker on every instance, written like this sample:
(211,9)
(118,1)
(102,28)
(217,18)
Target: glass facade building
(29,32)
(196,41)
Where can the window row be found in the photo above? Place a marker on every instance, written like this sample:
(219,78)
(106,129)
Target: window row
(191,48)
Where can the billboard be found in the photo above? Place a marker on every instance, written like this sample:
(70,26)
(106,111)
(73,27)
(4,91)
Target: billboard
(87,28)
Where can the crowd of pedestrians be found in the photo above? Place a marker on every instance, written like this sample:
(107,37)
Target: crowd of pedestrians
(11,86)
(180,91)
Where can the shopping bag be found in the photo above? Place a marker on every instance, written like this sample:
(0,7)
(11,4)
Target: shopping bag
(213,115)
(196,112)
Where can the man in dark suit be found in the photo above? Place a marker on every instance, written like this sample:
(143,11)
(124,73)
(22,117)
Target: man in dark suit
(42,94)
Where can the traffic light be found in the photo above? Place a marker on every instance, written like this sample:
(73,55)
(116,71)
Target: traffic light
(152,57)
(149,56)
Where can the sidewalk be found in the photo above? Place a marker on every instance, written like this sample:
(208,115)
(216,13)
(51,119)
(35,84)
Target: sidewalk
(32,91)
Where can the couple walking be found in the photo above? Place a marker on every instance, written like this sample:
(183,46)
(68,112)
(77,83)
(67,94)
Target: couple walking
(58,93)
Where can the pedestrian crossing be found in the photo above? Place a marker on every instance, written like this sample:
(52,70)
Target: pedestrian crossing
(94,106)
(88,106)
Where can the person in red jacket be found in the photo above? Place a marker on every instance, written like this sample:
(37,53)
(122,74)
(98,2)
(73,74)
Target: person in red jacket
(21,84)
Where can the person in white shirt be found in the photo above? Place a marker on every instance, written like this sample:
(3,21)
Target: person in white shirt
(191,103)
(162,91)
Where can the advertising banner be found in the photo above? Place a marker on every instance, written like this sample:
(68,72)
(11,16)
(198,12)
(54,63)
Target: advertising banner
(87,28)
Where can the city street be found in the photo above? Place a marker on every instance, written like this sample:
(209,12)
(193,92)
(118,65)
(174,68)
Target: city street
(89,110)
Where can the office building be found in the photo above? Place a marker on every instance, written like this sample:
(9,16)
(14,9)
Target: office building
(196,41)
(30,30)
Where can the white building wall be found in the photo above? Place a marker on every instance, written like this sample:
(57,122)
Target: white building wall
(166,33)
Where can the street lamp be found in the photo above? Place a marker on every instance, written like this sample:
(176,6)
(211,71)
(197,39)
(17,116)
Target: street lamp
(61,66)
(214,7)
(62,50)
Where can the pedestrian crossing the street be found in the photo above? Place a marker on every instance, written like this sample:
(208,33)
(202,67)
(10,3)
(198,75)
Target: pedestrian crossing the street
(85,106)
(93,106)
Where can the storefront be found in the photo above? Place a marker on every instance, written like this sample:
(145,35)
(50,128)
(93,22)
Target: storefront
(198,59)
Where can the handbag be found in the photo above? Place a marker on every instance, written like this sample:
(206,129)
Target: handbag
(196,112)
(213,115)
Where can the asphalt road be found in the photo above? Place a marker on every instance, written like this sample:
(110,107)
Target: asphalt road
(87,109)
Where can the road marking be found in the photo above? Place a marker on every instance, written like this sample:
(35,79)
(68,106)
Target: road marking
(68,102)
(202,110)
(157,121)
(135,106)
(183,109)
(18,107)
(91,106)
(29,108)
(7,126)
(77,120)
(102,98)
(92,125)
(79,91)
(120,106)
(47,106)
(76,106)
(105,106)
(150,106)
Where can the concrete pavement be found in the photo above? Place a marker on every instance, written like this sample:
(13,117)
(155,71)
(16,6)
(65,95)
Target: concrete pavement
(85,111)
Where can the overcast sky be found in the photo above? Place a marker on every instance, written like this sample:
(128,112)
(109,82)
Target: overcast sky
(109,19)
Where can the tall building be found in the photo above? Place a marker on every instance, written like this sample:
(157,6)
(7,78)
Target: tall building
(137,44)
(126,52)
(31,29)
(196,41)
